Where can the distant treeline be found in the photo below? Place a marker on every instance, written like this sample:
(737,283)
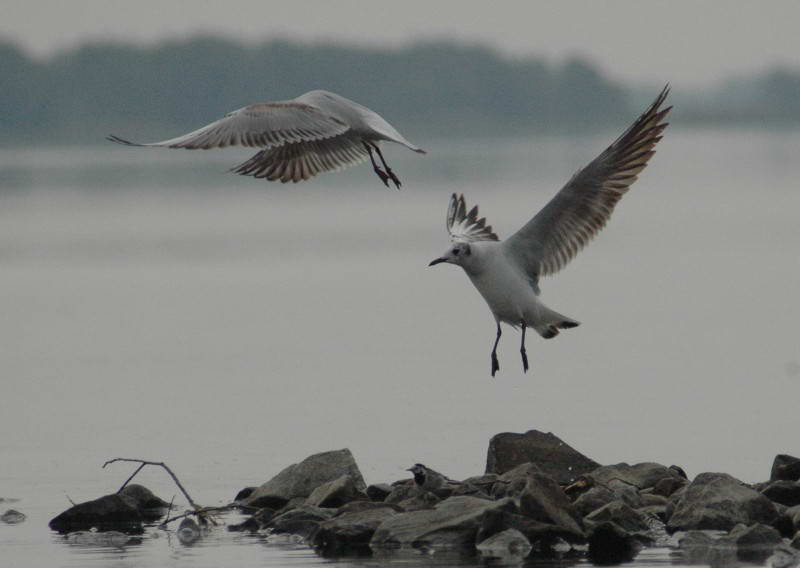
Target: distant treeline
(426,89)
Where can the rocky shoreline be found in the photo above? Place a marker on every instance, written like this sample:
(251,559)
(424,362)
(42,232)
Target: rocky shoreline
(538,496)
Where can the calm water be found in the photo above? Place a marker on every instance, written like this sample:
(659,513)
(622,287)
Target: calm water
(154,306)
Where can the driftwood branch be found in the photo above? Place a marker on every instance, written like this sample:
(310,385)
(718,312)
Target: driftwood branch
(204,513)
(159,464)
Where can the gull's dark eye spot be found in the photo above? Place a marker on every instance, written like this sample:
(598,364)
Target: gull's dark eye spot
(456,251)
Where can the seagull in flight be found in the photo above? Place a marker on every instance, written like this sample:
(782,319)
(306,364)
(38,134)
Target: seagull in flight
(506,273)
(316,132)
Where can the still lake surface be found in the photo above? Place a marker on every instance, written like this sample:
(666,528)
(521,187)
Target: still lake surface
(154,306)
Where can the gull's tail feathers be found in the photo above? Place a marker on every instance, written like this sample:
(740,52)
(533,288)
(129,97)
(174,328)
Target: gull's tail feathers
(551,322)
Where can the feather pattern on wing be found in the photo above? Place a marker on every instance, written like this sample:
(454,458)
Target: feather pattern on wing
(466,226)
(303,160)
(583,206)
(263,125)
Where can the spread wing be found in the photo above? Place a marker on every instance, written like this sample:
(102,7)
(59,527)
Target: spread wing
(466,226)
(263,125)
(583,206)
(303,160)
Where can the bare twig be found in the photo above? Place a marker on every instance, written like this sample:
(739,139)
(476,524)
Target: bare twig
(160,464)
(202,513)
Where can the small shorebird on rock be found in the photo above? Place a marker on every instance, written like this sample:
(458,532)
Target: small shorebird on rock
(316,132)
(506,273)
(431,480)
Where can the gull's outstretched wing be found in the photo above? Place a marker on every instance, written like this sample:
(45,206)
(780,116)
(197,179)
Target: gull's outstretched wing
(583,206)
(466,226)
(304,160)
(263,125)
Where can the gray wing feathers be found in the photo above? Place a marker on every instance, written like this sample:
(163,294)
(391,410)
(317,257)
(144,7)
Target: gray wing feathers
(583,206)
(303,160)
(264,125)
(466,226)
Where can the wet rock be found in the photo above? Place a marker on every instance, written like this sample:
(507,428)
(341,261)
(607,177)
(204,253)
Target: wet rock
(669,485)
(784,557)
(142,498)
(783,492)
(254,523)
(543,537)
(617,512)
(402,491)
(336,493)
(244,494)
(640,475)
(300,480)
(785,467)
(509,542)
(188,531)
(754,543)
(625,492)
(379,491)
(302,521)
(452,523)
(719,501)
(706,547)
(351,532)
(652,500)
(552,455)
(593,499)
(511,482)
(107,513)
(359,506)
(423,500)
(796,541)
(477,486)
(13,517)
(610,544)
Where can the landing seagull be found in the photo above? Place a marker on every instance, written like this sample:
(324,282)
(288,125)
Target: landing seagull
(317,132)
(506,273)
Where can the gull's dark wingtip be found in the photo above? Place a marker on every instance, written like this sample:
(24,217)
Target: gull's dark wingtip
(118,140)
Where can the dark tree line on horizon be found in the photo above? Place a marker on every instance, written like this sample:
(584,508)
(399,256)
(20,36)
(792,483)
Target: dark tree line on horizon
(426,89)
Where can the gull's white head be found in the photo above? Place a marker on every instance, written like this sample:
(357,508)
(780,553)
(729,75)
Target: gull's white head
(464,228)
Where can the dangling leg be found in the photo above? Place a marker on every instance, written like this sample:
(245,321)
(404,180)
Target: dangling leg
(379,172)
(495,364)
(522,349)
(389,171)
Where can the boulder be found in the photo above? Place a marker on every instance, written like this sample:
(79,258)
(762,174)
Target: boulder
(107,513)
(350,532)
(244,493)
(796,541)
(336,493)
(593,499)
(718,501)
(755,543)
(640,475)
(625,492)
(784,557)
(142,498)
(610,544)
(540,498)
(509,542)
(424,500)
(543,537)
(300,480)
(628,519)
(652,500)
(302,521)
(379,491)
(783,492)
(452,523)
(669,485)
(13,517)
(785,467)
(552,455)
(402,491)
(700,547)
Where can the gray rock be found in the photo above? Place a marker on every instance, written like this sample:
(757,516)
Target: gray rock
(300,480)
(669,485)
(718,501)
(512,481)
(336,493)
(13,517)
(540,498)
(379,491)
(113,539)
(142,498)
(796,541)
(452,523)
(625,492)
(552,455)
(402,491)
(543,537)
(640,475)
(652,500)
(625,517)
(107,513)
(244,493)
(784,557)
(754,543)
(785,467)
(593,499)
(705,547)
(302,521)
(360,506)
(509,542)
(423,500)
(610,544)
(783,492)
(351,532)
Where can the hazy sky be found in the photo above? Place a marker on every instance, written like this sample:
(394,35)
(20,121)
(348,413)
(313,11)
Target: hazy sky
(657,41)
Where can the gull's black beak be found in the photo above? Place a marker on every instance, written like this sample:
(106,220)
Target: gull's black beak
(437,261)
